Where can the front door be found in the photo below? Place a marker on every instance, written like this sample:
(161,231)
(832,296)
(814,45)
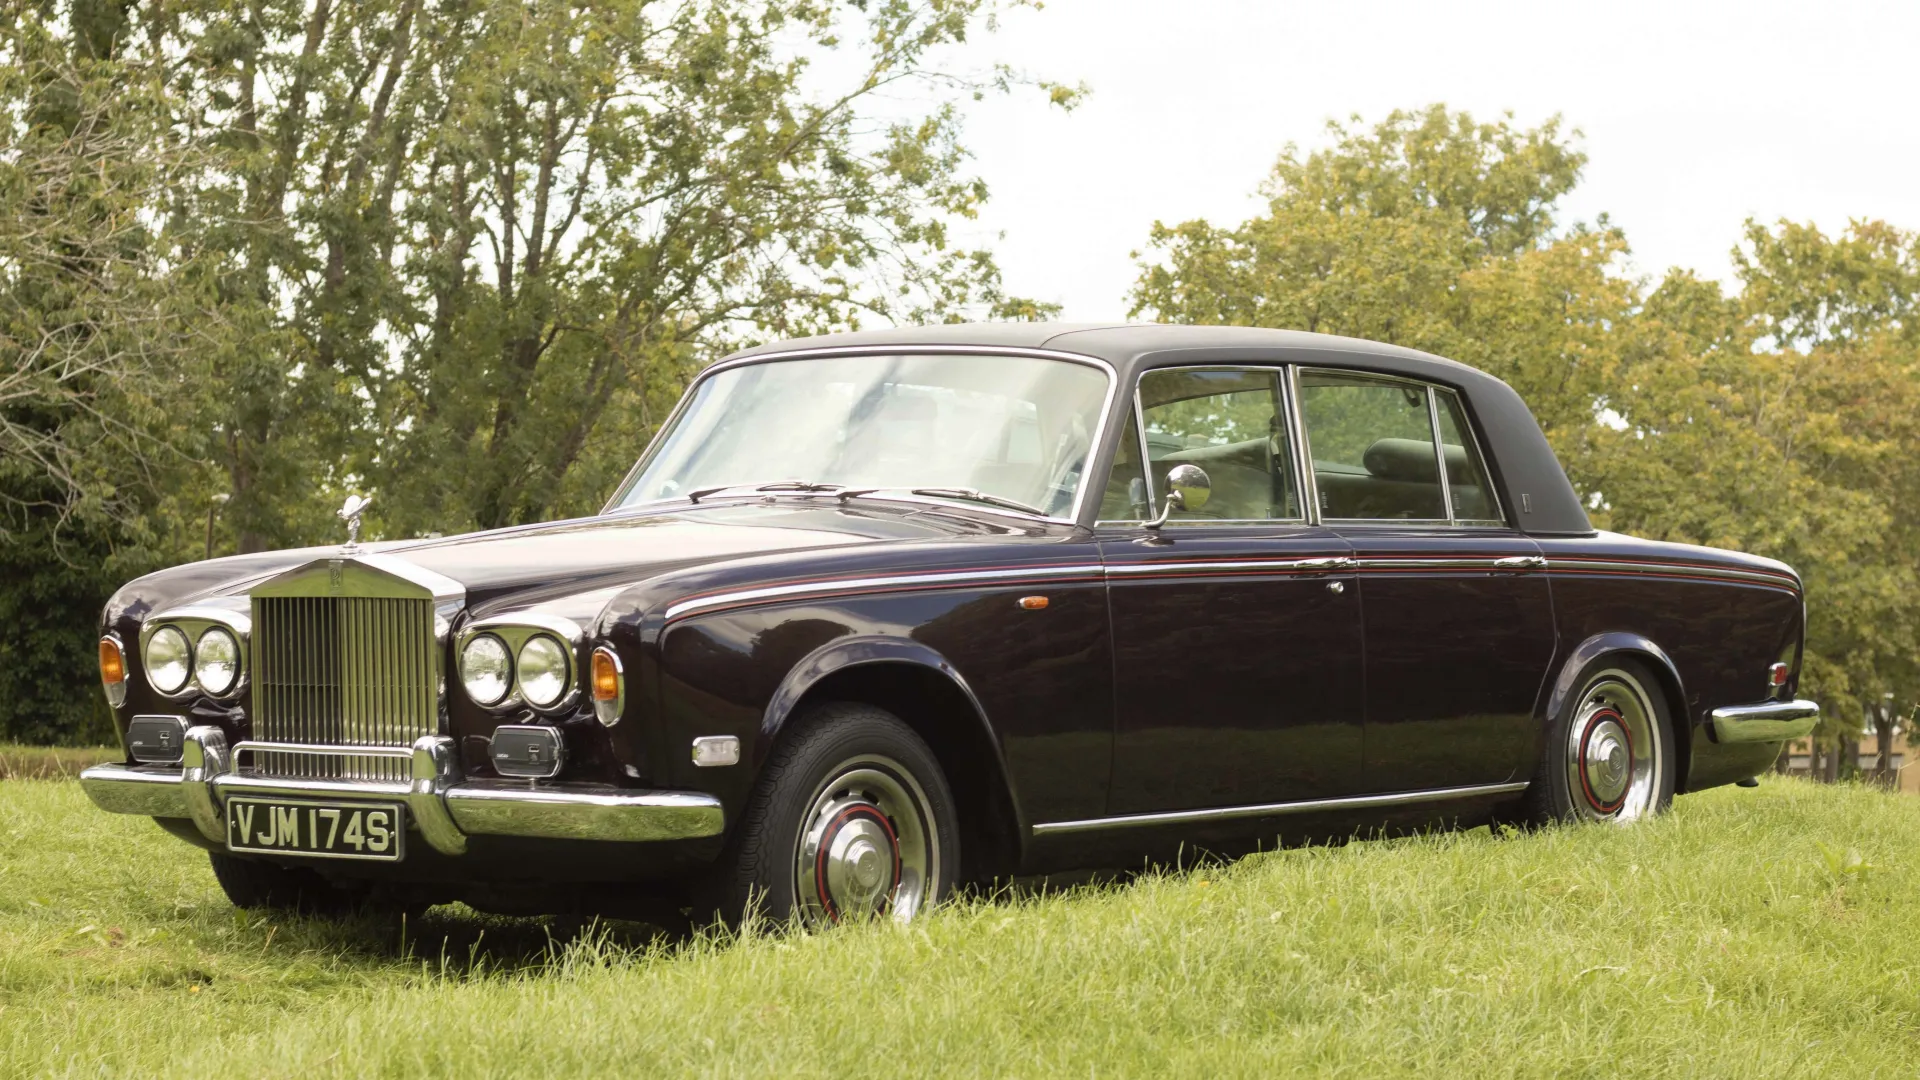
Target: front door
(1459,616)
(1236,631)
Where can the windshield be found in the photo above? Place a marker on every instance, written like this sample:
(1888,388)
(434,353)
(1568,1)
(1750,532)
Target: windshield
(1016,428)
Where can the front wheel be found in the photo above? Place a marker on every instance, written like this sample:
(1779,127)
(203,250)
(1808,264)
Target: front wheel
(851,819)
(1609,754)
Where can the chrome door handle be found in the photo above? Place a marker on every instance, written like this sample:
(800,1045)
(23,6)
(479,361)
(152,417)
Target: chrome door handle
(1335,562)
(1520,562)
(1336,587)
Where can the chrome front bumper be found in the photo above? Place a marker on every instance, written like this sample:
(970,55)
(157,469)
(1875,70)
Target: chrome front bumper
(444,806)
(1773,721)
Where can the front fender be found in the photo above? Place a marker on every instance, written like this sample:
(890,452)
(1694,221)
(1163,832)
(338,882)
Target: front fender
(847,652)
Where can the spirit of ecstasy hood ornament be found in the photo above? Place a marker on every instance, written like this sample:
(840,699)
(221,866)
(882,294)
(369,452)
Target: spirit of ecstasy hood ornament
(350,512)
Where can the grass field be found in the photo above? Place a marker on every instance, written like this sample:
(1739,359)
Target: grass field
(1750,933)
(52,762)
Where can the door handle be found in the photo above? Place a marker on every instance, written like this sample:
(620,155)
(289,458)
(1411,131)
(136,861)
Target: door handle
(1335,562)
(1520,562)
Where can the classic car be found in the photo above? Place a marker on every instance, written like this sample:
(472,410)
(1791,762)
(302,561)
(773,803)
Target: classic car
(881,614)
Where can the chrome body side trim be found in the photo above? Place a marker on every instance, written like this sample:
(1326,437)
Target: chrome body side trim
(1773,721)
(1318,564)
(841,585)
(1668,569)
(1095,441)
(1310,806)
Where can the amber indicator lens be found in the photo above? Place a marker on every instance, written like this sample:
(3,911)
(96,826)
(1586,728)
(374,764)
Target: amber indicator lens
(606,677)
(113,666)
(1033,603)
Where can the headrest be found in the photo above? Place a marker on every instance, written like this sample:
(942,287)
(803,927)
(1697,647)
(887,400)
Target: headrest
(1411,460)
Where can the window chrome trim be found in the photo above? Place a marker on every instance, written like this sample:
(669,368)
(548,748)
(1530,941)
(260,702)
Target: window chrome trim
(1283,385)
(1308,806)
(1433,423)
(1486,464)
(1096,438)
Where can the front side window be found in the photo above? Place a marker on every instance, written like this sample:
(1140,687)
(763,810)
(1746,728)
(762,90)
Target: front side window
(1231,422)
(1376,451)
(1015,428)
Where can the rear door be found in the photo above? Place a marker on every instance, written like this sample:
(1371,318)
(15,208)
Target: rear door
(1458,612)
(1236,631)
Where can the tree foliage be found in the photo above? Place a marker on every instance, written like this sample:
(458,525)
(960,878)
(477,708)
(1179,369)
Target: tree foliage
(1783,419)
(465,254)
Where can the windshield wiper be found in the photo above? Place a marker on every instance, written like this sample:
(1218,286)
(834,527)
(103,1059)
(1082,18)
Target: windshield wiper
(803,486)
(980,497)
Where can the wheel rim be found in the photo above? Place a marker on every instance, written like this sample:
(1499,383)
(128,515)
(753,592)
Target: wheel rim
(1613,750)
(867,846)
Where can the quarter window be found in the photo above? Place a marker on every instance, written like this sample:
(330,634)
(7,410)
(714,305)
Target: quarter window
(1232,424)
(1467,481)
(1377,445)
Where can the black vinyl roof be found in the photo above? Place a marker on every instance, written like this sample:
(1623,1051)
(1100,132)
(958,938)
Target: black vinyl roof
(1534,488)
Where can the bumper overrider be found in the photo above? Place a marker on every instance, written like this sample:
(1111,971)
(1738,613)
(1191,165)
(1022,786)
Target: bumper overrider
(444,806)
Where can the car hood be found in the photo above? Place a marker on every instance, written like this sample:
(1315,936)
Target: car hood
(536,563)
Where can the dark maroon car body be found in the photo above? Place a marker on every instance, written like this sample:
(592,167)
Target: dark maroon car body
(1203,688)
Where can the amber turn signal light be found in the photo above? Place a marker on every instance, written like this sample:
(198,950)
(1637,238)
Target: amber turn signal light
(1032,603)
(606,676)
(113,665)
(113,671)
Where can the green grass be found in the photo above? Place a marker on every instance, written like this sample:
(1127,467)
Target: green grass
(1750,933)
(19,762)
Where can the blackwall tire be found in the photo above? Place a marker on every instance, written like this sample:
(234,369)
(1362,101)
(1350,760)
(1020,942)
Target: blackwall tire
(1609,756)
(851,818)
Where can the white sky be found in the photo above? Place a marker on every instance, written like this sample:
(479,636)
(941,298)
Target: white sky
(1695,116)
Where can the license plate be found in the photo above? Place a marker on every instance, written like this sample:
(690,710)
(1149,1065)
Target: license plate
(317,829)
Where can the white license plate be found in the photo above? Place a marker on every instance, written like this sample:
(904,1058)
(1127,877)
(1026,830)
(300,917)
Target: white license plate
(317,829)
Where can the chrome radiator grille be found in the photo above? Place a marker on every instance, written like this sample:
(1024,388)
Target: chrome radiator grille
(341,671)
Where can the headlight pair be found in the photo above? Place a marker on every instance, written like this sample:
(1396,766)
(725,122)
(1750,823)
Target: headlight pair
(541,670)
(213,662)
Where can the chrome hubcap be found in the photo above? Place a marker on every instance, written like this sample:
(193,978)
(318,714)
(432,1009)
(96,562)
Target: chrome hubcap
(1612,753)
(866,847)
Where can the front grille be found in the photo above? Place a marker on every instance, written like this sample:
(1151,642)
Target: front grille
(341,671)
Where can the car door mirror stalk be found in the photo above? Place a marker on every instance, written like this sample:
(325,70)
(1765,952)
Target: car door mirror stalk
(1188,488)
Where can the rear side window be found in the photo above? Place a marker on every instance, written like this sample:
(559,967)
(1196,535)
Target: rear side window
(1467,481)
(1376,447)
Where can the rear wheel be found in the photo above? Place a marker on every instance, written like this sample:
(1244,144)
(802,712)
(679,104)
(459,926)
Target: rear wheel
(851,819)
(1609,754)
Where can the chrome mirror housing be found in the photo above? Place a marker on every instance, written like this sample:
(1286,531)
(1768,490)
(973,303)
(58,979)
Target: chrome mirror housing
(1188,488)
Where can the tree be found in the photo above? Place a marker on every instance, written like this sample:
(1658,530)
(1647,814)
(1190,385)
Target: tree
(1781,420)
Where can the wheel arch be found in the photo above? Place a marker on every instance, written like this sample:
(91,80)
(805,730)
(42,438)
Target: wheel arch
(920,686)
(1644,649)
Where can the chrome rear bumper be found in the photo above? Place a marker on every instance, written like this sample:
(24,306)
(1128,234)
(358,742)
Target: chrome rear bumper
(444,806)
(1773,721)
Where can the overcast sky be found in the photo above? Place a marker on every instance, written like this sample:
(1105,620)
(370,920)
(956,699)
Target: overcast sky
(1695,115)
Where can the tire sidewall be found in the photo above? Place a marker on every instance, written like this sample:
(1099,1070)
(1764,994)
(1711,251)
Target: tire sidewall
(1552,780)
(764,850)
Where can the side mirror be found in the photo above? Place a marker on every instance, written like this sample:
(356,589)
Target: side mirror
(1187,489)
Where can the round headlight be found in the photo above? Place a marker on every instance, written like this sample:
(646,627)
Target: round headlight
(169,660)
(486,670)
(543,670)
(216,661)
